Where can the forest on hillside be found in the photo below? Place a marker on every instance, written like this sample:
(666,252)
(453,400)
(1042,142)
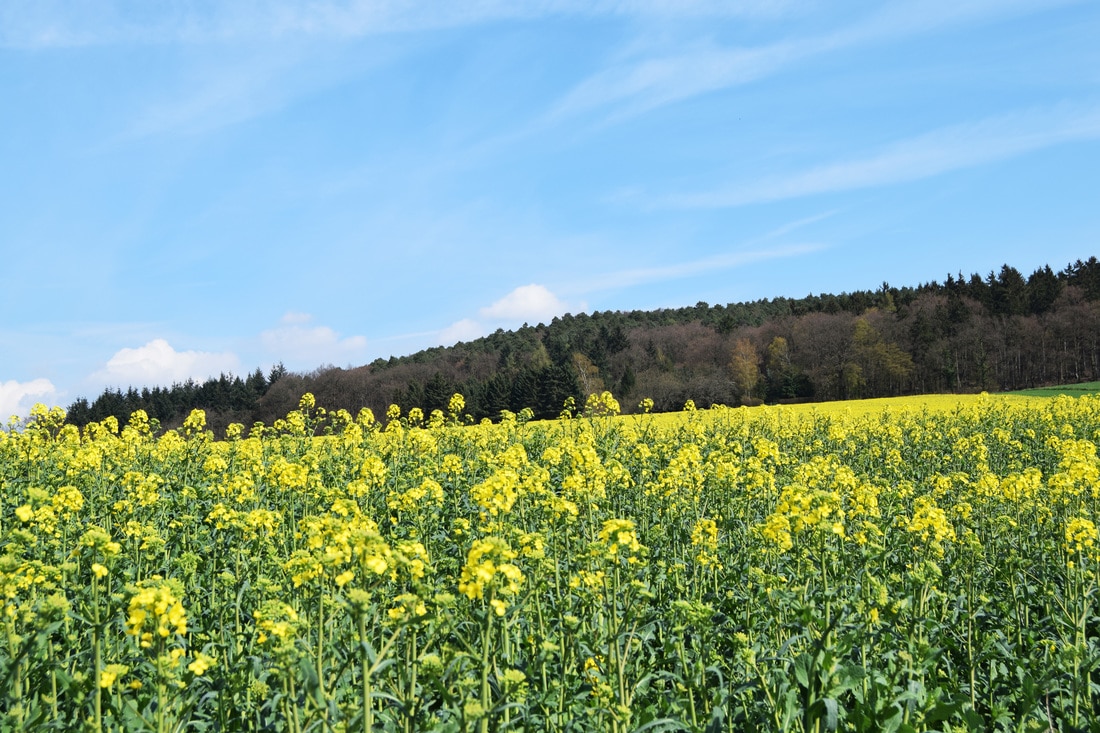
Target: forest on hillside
(1000,332)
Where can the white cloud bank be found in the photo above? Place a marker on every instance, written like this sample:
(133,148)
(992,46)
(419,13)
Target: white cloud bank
(532,303)
(300,345)
(17,398)
(157,363)
(526,304)
(465,330)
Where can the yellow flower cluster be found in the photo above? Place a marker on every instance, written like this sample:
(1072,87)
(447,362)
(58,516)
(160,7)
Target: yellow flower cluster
(110,674)
(407,607)
(257,524)
(1080,536)
(809,509)
(496,494)
(427,493)
(277,623)
(456,405)
(373,470)
(776,531)
(586,482)
(155,612)
(592,580)
(99,542)
(195,424)
(929,522)
(618,539)
(489,571)
(601,404)
(201,664)
(704,538)
(141,489)
(1022,487)
(681,481)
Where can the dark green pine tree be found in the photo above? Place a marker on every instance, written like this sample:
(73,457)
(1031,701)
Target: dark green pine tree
(1043,288)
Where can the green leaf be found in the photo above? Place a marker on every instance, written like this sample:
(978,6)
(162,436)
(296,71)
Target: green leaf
(664,724)
(943,711)
(802,671)
(832,710)
(717,722)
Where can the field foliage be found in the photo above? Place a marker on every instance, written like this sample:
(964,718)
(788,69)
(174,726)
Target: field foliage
(930,565)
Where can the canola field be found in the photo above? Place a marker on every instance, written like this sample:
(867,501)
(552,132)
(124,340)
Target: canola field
(928,564)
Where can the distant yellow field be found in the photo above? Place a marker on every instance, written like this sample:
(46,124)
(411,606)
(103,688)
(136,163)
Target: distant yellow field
(849,408)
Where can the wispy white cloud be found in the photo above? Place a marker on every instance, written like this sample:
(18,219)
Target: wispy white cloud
(17,398)
(636,87)
(653,78)
(294,318)
(59,23)
(219,95)
(891,20)
(931,154)
(301,345)
(158,363)
(678,270)
(792,226)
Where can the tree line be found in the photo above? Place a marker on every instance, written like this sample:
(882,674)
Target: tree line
(1003,331)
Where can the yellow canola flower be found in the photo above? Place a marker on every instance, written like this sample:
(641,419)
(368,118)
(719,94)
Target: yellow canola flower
(498,493)
(603,403)
(373,470)
(617,538)
(776,531)
(201,663)
(412,558)
(1080,535)
(588,580)
(110,674)
(24,513)
(375,563)
(195,423)
(452,465)
(99,540)
(704,537)
(428,492)
(488,568)
(1022,486)
(409,607)
(682,480)
(930,523)
(68,500)
(154,611)
(277,626)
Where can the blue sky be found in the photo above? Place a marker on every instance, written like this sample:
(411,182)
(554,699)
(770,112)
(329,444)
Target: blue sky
(195,187)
